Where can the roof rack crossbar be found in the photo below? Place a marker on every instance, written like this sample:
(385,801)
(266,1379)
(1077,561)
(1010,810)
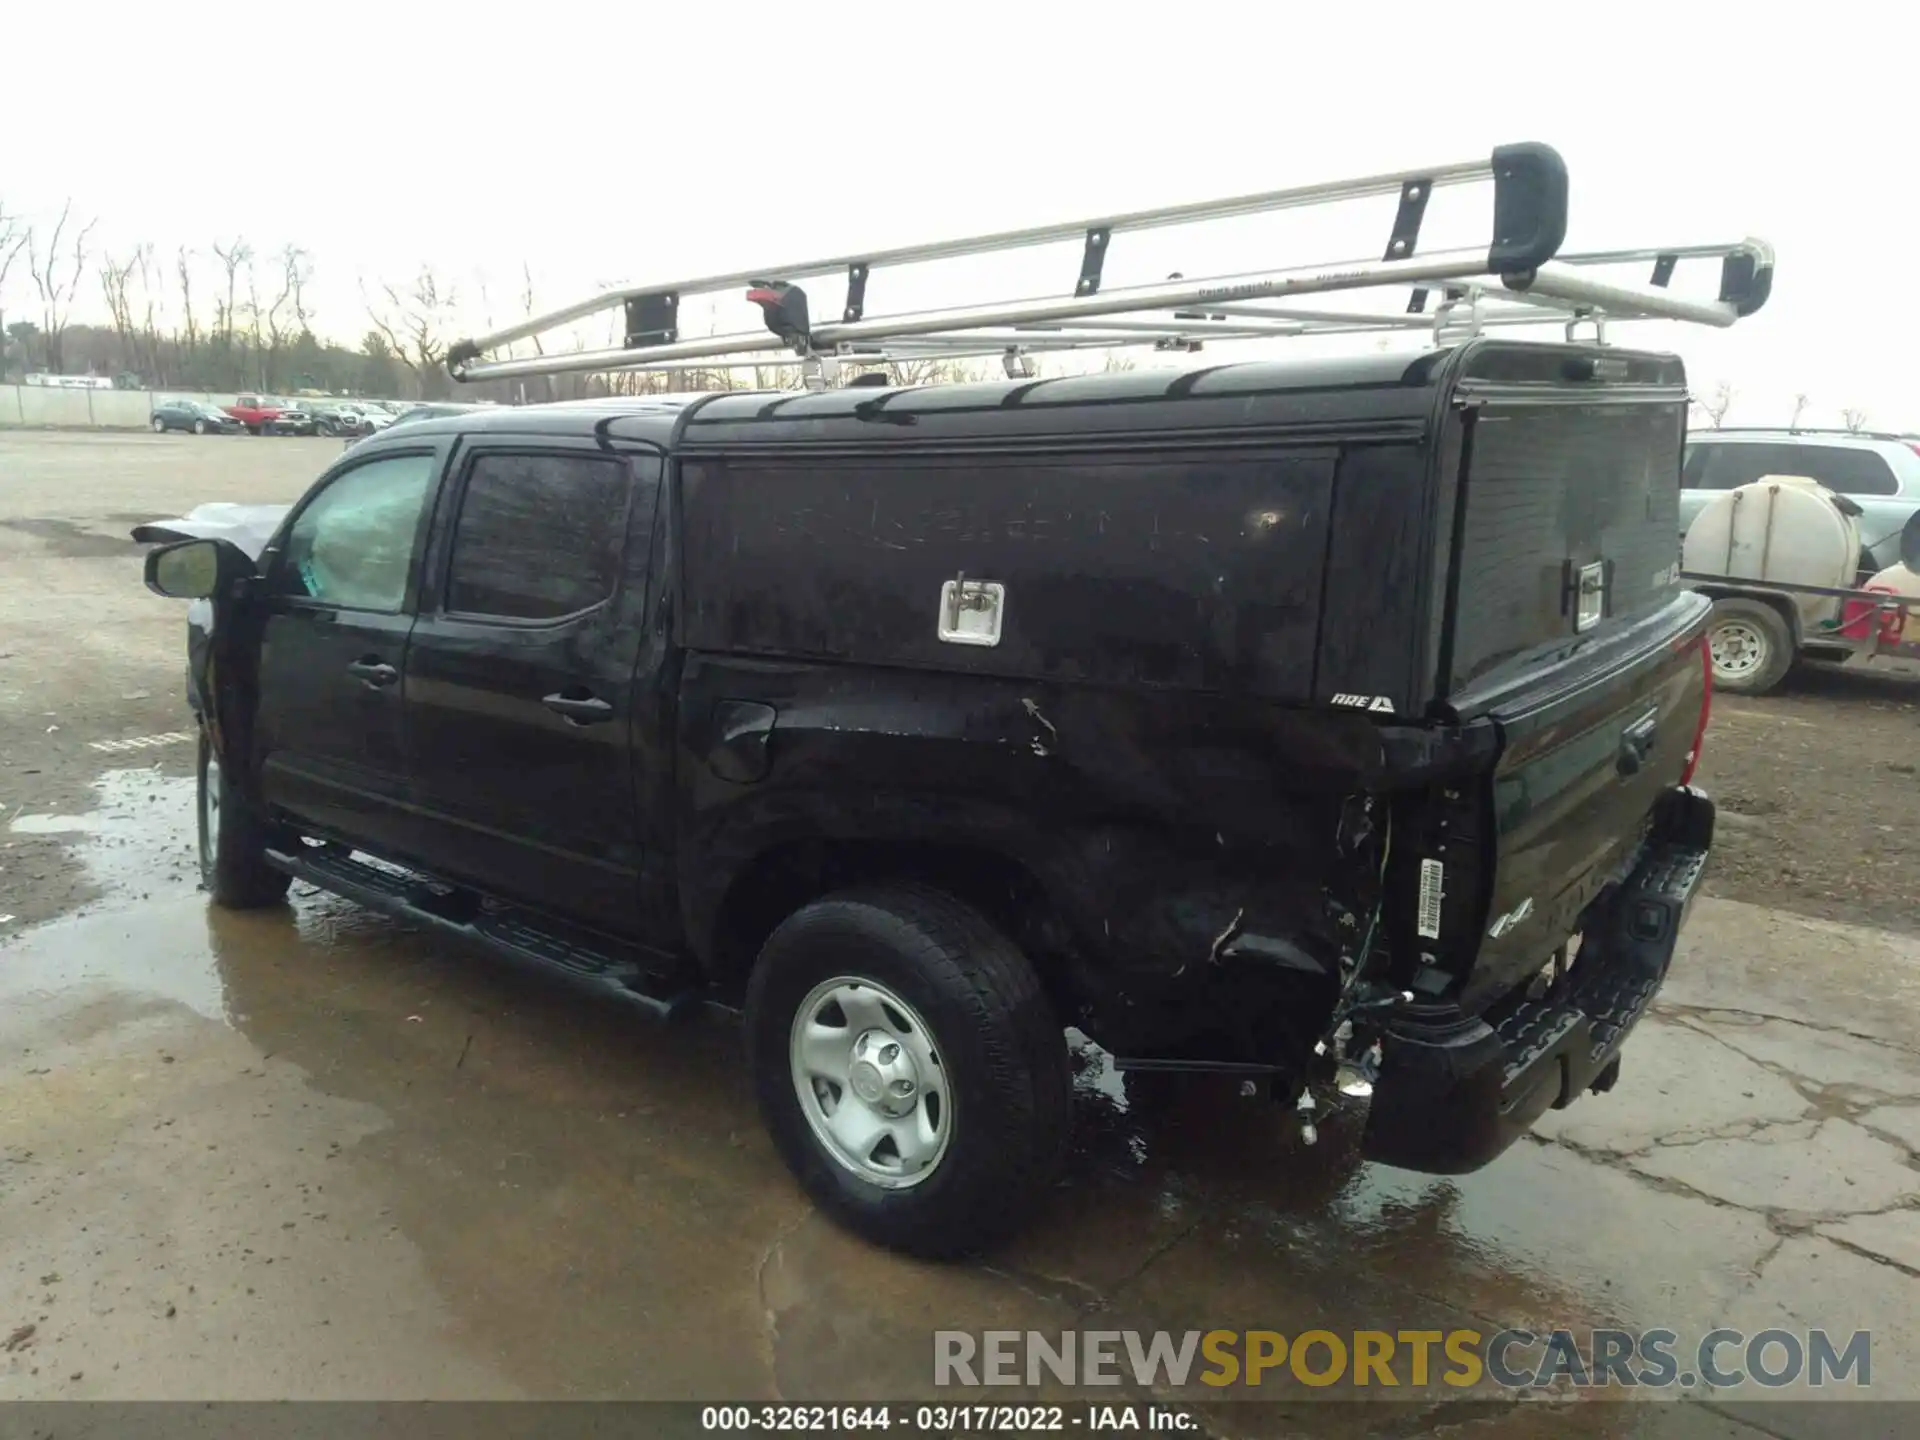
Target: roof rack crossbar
(1519,277)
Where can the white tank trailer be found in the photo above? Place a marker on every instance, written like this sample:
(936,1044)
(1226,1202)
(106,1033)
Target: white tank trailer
(1780,556)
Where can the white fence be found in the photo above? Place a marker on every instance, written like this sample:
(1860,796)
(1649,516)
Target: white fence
(45,407)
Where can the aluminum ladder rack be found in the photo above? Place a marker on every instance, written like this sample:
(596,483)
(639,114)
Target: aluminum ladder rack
(1518,278)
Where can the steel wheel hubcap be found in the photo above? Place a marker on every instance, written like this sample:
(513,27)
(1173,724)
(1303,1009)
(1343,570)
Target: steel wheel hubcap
(210,813)
(1737,648)
(868,1075)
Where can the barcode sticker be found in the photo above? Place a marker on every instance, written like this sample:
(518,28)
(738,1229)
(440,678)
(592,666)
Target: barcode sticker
(1432,886)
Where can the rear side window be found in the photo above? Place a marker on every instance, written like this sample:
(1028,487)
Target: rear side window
(539,536)
(1729,465)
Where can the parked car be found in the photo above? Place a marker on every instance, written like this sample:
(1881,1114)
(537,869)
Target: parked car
(1879,472)
(435,410)
(352,419)
(294,420)
(1193,715)
(256,411)
(195,415)
(413,414)
(1759,631)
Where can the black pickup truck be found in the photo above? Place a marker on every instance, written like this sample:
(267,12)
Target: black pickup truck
(1327,725)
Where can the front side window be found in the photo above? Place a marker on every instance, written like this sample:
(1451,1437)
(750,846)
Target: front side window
(353,544)
(539,536)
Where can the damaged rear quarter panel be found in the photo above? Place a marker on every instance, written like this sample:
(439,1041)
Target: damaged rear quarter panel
(1148,821)
(1140,742)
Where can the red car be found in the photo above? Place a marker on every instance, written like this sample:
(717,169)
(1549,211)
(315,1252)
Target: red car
(256,412)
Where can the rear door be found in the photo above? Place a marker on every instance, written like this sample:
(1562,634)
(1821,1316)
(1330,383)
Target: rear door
(520,676)
(1570,629)
(340,582)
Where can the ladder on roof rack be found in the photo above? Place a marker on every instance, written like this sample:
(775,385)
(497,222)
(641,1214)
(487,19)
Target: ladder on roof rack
(1520,278)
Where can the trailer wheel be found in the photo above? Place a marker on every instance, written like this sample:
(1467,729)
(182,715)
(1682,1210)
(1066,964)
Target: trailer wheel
(1751,645)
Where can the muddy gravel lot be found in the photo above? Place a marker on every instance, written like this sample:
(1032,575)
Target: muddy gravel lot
(1819,787)
(90,662)
(308,1153)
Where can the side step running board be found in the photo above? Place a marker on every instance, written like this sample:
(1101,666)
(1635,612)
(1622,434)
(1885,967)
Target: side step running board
(514,934)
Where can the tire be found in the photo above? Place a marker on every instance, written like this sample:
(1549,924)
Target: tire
(233,843)
(985,1060)
(159,425)
(1751,644)
(199,427)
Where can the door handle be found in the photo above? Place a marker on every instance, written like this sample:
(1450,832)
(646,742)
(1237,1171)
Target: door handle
(373,672)
(1636,744)
(580,709)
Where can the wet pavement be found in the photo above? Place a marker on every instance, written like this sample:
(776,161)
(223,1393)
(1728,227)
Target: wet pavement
(310,1153)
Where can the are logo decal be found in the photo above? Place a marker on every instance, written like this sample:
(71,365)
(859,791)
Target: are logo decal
(1365,702)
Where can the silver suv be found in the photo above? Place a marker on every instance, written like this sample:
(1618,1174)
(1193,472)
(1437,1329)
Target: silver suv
(1880,473)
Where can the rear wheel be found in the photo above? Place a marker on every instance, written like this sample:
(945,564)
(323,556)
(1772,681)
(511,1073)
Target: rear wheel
(233,843)
(909,1067)
(1751,645)
(159,426)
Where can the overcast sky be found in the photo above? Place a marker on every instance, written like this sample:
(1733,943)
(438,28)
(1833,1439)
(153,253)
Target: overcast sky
(638,141)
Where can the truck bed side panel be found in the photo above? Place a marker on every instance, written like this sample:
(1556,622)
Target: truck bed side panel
(1196,568)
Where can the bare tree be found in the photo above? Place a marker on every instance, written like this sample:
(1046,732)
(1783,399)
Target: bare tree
(152,366)
(1716,405)
(281,320)
(934,371)
(56,290)
(297,268)
(256,339)
(115,277)
(1800,403)
(234,257)
(183,267)
(415,321)
(527,312)
(1854,419)
(14,237)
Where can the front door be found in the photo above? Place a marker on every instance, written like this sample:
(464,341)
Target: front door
(330,731)
(520,676)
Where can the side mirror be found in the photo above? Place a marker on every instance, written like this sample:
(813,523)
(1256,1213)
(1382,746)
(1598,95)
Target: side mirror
(1910,543)
(196,569)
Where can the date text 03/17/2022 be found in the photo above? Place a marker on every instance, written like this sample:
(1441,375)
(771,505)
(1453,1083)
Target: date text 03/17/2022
(945,1419)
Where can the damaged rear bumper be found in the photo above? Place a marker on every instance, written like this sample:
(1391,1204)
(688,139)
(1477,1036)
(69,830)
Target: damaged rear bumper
(1456,1090)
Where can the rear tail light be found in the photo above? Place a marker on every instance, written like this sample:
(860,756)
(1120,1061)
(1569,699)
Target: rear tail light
(1706,711)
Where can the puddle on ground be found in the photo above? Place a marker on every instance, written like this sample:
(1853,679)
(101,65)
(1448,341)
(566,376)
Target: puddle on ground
(586,1186)
(138,840)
